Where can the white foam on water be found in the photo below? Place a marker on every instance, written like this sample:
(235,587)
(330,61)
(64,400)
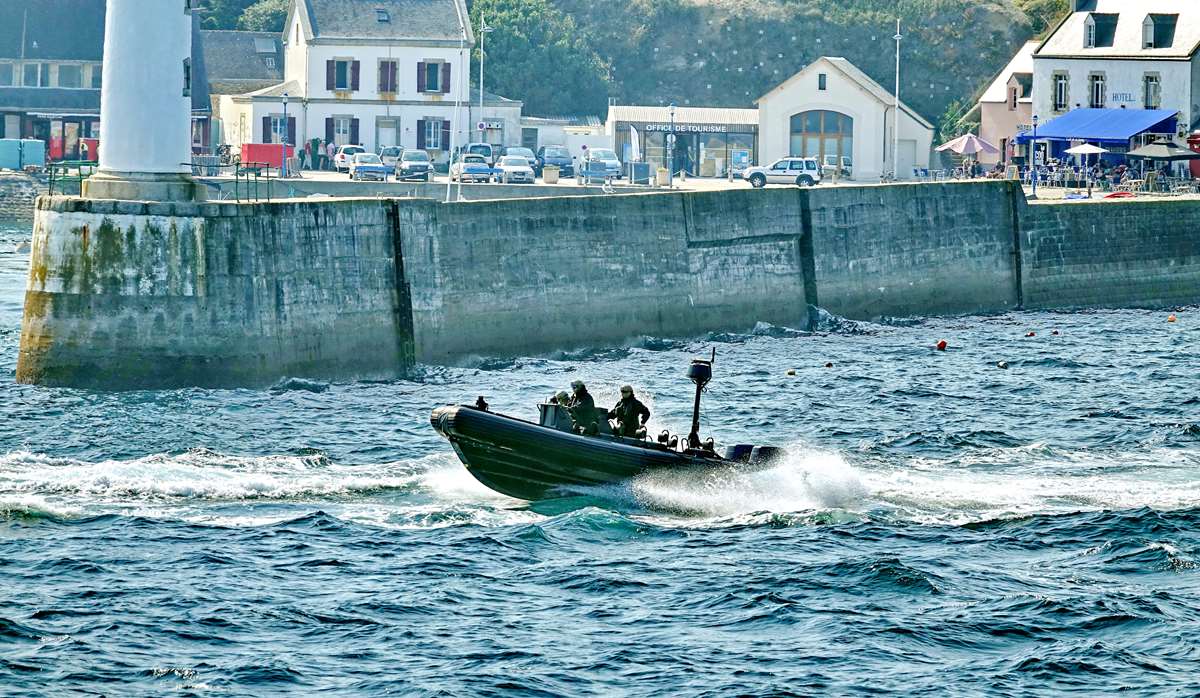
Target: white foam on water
(236,491)
(1020,482)
(806,480)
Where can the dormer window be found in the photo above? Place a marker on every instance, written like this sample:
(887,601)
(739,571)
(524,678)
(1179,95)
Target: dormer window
(382,16)
(1158,31)
(1099,30)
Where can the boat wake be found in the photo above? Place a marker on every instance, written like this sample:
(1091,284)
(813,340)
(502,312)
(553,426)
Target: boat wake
(811,485)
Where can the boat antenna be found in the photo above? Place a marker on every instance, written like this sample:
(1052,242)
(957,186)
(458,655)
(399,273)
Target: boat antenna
(700,372)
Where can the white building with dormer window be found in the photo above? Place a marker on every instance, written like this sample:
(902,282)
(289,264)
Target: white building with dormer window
(374,73)
(1121,54)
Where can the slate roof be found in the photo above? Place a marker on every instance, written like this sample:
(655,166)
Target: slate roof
(236,64)
(408,19)
(1125,37)
(70,30)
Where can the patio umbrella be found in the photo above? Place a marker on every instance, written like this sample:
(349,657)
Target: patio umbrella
(969,144)
(1085,150)
(1163,150)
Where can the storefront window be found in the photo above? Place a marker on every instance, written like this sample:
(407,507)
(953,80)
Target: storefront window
(655,151)
(6,74)
(741,150)
(822,134)
(713,155)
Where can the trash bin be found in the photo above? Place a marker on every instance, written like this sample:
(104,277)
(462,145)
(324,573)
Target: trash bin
(663,177)
(550,174)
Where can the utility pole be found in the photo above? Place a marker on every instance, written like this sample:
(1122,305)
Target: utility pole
(896,112)
(484,29)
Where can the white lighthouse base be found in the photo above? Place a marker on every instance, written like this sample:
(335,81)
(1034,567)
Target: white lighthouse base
(141,186)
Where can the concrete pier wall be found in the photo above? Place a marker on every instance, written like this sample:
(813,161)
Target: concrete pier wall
(152,295)
(1132,254)
(130,295)
(915,249)
(516,276)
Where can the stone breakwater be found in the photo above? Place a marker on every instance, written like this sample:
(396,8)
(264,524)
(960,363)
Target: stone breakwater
(150,295)
(18,193)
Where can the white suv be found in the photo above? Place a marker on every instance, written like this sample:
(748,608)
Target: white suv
(803,172)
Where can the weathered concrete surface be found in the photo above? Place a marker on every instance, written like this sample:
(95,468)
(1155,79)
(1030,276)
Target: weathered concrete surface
(130,295)
(1107,254)
(134,295)
(915,249)
(518,276)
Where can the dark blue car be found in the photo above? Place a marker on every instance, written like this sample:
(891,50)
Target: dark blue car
(556,155)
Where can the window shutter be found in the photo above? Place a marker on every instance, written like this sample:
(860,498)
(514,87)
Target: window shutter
(420,134)
(329,130)
(330,74)
(354,131)
(291,126)
(421,77)
(446,78)
(394,75)
(383,74)
(266,129)
(354,70)
(445,135)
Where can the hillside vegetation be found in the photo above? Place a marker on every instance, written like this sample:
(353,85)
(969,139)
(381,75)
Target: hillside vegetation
(566,57)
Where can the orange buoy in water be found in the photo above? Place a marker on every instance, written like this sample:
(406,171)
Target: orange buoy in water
(1031,334)
(1172,318)
(942,344)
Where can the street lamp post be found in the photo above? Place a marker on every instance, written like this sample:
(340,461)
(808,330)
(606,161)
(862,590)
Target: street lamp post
(1033,157)
(671,149)
(283,137)
(484,30)
(896,111)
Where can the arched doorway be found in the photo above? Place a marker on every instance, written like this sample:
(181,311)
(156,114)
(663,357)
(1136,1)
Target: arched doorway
(825,135)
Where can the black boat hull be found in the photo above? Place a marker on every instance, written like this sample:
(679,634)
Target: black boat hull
(532,462)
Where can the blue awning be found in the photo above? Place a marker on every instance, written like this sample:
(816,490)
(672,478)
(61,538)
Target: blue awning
(1104,125)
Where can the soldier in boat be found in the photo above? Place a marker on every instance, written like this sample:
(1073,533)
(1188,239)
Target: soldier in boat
(582,409)
(631,415)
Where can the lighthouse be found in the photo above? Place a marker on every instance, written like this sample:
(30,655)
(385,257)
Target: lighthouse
(145,103)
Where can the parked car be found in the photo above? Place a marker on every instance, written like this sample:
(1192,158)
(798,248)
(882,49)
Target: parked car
(832,166)
(804,172)
(390,155)
(364,166)
(596,159)
(488,151)
(469,167)
(342,156)
(556,155)
(514,169)
(518,151)
(414,164)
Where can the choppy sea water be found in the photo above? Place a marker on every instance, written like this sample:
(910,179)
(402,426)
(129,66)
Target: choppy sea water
(943,526)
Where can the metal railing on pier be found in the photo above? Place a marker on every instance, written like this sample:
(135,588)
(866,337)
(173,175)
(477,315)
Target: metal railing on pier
(66,176)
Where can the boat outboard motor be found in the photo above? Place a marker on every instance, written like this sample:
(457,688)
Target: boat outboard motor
(700,373)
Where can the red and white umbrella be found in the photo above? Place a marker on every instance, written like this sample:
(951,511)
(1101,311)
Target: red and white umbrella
(970,144)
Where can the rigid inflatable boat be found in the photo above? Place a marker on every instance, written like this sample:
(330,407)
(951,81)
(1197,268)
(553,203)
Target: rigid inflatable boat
(531,461)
